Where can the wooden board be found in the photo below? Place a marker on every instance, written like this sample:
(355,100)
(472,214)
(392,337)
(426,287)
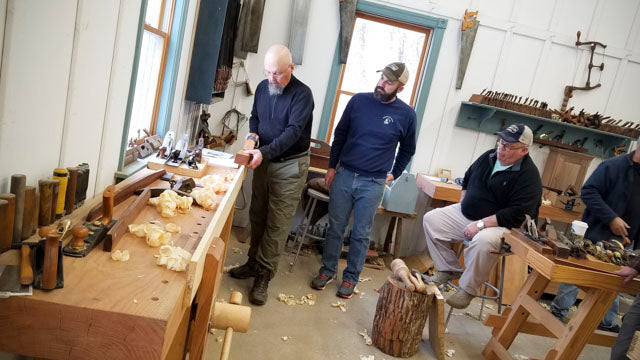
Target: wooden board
(436,322)
(111,309)
(437,189)
(155,163)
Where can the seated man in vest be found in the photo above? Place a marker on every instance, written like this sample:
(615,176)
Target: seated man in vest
(499,188)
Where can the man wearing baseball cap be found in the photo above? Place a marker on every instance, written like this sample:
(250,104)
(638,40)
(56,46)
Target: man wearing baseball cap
(363,157)
(499,188)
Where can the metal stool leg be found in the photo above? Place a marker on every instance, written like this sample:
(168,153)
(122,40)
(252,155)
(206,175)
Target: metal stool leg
(446,322)
(306,229)
(501,285)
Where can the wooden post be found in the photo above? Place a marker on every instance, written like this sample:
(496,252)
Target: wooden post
(400,318)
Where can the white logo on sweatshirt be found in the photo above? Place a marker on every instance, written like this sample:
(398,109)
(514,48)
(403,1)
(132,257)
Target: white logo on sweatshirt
(387,119)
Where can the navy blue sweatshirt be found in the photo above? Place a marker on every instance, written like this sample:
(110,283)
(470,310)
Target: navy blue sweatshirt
(509,194)
(368,134)
(283,122)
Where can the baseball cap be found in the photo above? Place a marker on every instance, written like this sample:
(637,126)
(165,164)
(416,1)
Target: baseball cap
(517,133)
(396,71)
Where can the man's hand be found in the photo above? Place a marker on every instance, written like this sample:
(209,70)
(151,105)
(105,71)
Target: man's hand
(256,158)
(389,179)
(619,226)
(471,230)
(627,273)
(328,177)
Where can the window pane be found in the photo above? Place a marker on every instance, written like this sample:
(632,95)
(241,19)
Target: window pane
(146,83)
(373,46)
(166,18)
(342,103)
(153,13)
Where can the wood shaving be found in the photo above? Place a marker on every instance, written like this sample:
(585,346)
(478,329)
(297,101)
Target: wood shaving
(285,338)
(363,279)
(135,301)
(356,291)
(520,357)
(450,352)
(219,339)
(173,228)
(236,250)
(152,231)
(169,203)
(362,295)
(226,269)
(340,304)
(489,306)
(367,357)
(309,299)
(174,257)
(365,335)
(544,305)
(212,330)
(120,255)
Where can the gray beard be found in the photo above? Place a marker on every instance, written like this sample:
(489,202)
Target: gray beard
(275,89)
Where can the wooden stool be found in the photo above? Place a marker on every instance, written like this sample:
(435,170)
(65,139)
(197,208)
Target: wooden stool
(397,217)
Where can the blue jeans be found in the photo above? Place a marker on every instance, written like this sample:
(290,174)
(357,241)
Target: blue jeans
(362,194)
(566,297)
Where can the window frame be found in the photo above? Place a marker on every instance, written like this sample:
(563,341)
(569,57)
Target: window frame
(438,26)
(421,63)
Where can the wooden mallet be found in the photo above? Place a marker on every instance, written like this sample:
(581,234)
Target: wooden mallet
(230,317)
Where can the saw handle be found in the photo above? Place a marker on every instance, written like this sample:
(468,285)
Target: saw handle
(26,271)
(107,204)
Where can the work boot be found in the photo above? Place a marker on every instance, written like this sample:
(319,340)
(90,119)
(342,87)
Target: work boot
(460,300)
(441,277)
(250,269)
(259,294)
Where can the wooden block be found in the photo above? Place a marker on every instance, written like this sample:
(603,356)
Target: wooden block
(127,217)
(421,262)
(436,322)
(242,158)
(159,164)
(46,196)
(29,212)
(18,184)
(7,210)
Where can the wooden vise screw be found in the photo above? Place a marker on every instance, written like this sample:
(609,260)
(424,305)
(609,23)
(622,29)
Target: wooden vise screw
(230,317)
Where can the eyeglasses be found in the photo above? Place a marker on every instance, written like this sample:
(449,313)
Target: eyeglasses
(508,146)
(387,81)
(276,75)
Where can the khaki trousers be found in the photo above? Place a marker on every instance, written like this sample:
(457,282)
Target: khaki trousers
(444,226)
(276,191)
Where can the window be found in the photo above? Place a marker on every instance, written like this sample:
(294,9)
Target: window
(151,67)
(376,42)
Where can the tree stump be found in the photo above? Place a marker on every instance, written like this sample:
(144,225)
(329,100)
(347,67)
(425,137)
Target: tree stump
(400,318)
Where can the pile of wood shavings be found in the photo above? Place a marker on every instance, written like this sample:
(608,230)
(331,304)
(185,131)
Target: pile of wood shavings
(340,304)
(309,299)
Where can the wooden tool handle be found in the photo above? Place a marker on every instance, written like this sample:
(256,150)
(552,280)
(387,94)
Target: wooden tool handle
(79,232)
(36,213)
(127,217)
(50,267)
(6,222)
(54,200)
(107,204)
(46,194)
(62,175)
(18,184)
(72,184)
(226,345)
(26,271)
(29,211)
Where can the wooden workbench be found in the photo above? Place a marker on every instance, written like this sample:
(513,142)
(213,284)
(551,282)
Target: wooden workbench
(127,310)
(601,289)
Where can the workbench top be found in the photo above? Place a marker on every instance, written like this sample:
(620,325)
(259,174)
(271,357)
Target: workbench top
(112,309)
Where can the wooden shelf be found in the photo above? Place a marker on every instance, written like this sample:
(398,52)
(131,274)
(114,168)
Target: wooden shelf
(489,119)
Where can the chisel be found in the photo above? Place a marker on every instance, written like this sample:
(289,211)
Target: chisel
(61,175)
(70,200)
(29,211)
(46,193)
(18,183)
(6,221)
(54,200)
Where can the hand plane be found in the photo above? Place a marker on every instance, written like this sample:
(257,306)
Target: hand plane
(177,156)
(47,257)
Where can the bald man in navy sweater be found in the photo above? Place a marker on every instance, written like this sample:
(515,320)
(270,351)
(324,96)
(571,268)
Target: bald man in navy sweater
(362,154)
